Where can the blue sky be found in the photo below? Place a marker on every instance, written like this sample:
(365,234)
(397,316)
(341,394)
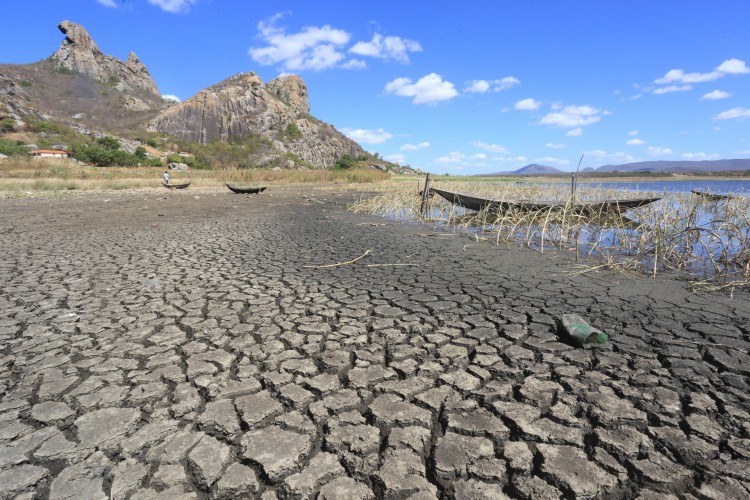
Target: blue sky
(466,87)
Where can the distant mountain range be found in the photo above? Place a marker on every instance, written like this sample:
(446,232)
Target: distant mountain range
(642,166)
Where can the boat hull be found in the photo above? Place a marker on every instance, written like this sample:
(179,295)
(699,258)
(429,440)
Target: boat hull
(245,190)
(477,203)
(176,186)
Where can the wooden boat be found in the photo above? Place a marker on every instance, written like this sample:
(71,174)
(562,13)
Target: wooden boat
(478,203)
(175,186)
(711,196)
(245,190)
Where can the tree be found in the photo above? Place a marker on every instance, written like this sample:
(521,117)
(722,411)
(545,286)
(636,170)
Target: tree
(109,143)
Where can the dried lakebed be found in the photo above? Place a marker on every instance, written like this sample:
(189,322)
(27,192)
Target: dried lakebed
(176,346)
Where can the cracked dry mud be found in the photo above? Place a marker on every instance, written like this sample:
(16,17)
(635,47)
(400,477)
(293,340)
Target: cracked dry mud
(174,346)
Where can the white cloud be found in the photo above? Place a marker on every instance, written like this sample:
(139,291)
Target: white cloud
(715,95)
(613,158)
(635,142)
(576,132)
(313,48)
(733,67)
(354,64)
(396,158)
(659,151)
(553,145)
(550,160)
(415,147)
(527,104)
(495,148)
(171,97)
(672,88)
(678,75)
(108,3)
(452,157)
(173,6)
(734,113)
(388,47)
(633,132)
(364,136)
(572,116)
(700,156)
(483,86)
(429,89)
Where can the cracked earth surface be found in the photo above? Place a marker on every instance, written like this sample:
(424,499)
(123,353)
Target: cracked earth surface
(175,346)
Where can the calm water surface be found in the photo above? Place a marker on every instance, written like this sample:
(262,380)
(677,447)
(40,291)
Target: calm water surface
(717,186)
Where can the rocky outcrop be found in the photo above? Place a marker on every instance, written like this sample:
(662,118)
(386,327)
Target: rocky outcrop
(15,103)
(242,105)
(78,52)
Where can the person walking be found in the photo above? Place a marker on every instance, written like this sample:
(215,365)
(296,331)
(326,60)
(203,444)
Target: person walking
(166,177)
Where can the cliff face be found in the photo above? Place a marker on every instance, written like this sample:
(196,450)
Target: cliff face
(243,105)
(78,52)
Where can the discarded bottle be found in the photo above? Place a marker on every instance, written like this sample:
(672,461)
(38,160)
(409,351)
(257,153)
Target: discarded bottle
(580,332)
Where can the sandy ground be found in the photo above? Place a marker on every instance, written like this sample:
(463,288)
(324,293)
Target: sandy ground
(158,345)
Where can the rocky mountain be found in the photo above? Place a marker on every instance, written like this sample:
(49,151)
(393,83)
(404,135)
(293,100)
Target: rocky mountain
(96,94)
(679,166)
(243,105)
(79,53)
(532,169)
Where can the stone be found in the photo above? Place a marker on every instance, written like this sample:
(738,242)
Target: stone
(345,488)
(82,480)
(19,479)
(519,456)
(105,429)
(570,470)
(477,490)
(391,410)
(279,452)
(455,453)
(238,480)
(208,459)
(255,408)
(220,416)
(51,412)
(478,422)
(127,477)
(321,468)
(660,473)
(401,474)
(359,439)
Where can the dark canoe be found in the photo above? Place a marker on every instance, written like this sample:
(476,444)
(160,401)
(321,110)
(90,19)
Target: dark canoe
(711,196)
(175,186)
(245,190)
(478,203)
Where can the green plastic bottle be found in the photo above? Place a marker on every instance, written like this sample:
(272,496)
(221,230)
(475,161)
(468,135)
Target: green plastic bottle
(580,332)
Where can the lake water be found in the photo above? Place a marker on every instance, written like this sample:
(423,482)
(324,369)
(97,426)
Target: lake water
(683,186)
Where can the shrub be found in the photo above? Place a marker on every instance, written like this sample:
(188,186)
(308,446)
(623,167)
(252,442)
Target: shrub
(7,125)
(108,143)
(345,162)
(151,142)
(11,148)
(292,132)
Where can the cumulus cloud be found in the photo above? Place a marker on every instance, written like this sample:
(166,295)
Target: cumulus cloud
(527,104)
(659,151)
(733,67)
(574,133)
(679,80)
(552,145)
(700,156)
(478,156)
(108,3)
(312,48)
(354,64)
(429,89)
(173,6)
(396,158)
(633,132)
(364,136)
(484,86)
(672,88)
(495,148)
(387,47)
(572,116)
(715,95)
(415,147)
(171,97)
(607,157)
(733,114)
(635,142)
(452,157)
(551,160)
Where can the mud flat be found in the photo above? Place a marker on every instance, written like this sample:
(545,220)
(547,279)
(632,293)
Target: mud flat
(160,345)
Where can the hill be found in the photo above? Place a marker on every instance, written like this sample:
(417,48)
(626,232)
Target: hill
(532,169)
(675,167)
(79,94)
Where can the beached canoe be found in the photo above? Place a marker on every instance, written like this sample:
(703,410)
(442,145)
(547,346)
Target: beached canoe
(176,186)
(245,190)
(711,196)
(478,203)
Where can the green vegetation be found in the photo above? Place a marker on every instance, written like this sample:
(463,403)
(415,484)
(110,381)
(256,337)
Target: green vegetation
(103,155)
(197,161)
(25,83)
(292,132)
(12,148)
(345,162)
(7,125)
(109,143)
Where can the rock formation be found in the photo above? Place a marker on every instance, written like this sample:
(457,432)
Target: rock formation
(78,52)
(242,105)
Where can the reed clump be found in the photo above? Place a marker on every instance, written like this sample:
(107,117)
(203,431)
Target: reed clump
(708,239)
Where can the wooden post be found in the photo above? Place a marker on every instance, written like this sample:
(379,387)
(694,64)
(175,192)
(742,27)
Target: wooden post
(425,196)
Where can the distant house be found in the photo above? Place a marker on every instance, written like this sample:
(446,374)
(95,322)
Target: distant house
(51,153)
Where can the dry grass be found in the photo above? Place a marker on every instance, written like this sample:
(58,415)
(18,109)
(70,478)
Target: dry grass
(20,177)
(711,240)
